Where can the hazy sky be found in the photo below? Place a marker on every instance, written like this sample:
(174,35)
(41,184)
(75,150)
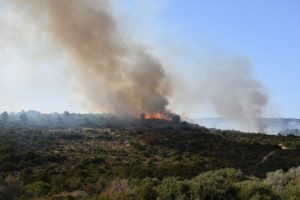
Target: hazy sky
(186,35)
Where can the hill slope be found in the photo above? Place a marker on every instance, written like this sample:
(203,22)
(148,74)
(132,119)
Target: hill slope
(77,159)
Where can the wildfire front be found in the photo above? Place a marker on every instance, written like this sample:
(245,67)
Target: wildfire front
(161,116)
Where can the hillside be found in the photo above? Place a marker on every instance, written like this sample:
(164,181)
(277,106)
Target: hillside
(91,160)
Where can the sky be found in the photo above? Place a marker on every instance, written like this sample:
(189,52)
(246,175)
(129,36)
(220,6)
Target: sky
(184,34)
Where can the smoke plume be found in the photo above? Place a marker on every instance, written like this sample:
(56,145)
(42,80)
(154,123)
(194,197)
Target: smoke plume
(234,93)
(116,75)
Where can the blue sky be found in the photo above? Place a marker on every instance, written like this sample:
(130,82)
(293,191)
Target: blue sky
(181,32)
(266,32)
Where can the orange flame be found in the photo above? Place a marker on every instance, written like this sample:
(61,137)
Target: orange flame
(157,115)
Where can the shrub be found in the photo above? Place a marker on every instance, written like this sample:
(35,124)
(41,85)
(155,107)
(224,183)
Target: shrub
(38,189)
(10,188)
(255,190)
(147,189)
(173,189)
(292,190)
(120,189)
(217,185)
(278,180)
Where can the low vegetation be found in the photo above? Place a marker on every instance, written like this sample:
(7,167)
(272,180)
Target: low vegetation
(148,161)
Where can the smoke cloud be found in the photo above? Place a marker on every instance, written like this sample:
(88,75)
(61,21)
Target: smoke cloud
(115,75)
(119,76)
(234,93)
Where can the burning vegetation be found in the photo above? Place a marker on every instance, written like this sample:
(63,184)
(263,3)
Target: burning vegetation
(156,115)
(161,116)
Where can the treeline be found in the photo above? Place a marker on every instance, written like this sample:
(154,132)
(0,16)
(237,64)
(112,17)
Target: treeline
(37,120)
(223,184)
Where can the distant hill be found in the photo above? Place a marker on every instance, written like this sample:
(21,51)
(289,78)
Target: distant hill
(283,126)
(37,120)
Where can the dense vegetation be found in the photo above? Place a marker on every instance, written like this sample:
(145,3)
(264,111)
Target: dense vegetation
(146,160)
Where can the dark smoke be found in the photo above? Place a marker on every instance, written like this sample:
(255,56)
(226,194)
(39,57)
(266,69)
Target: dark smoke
(116,76)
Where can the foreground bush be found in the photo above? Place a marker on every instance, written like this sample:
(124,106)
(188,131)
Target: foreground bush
(223,184)
(172,188)
(37,189)
(255,190)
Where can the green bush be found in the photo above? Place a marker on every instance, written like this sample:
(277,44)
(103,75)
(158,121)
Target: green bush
(278,180)
(10,188)
(38,189)
(173,189)
(147,189)
(216,185)
(255,190)
(292,190)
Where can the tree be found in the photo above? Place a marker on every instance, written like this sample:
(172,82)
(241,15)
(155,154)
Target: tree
(59,121)
(24,118)
(10,188)
(66,114)
(4,117)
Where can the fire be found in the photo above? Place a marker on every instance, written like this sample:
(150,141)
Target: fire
(157,115)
